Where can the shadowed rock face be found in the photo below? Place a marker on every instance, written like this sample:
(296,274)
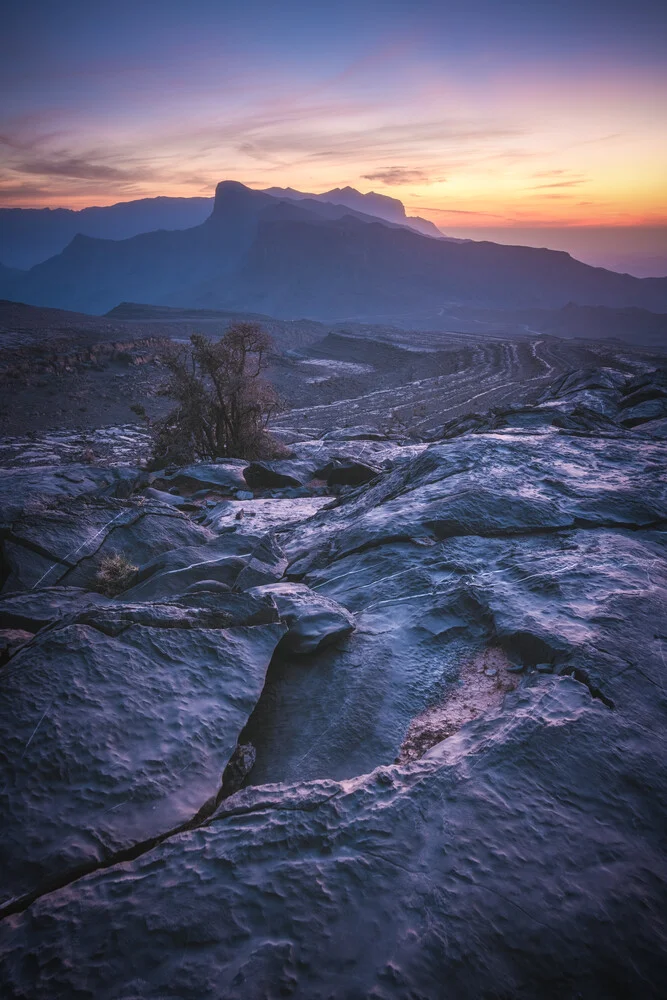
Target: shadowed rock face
(490,610)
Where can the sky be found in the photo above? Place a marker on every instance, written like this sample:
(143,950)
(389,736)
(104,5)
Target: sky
(480,115)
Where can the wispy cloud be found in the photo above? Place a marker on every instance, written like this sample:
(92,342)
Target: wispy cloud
(443,211)
(397,176)
(78,167)
(549,173)
(560,184)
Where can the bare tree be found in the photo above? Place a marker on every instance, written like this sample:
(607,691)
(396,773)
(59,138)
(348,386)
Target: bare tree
(223,402)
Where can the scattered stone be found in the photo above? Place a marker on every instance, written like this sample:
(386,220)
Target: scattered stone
(271,475)
(346,472)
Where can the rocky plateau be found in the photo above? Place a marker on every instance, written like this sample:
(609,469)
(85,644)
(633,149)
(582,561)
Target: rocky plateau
(383,719)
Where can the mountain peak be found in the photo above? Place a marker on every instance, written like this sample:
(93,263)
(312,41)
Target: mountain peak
(381,205)
(228,186)
(230,191)
(232,197)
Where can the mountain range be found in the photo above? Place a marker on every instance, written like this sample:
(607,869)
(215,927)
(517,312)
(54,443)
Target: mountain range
(29,236)
(295,256)
(379,205)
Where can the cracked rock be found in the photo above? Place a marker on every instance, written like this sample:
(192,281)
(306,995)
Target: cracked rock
(508,588)
(111,739)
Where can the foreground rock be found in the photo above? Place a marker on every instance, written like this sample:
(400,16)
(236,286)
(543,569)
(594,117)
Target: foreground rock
(37,608)
(115,731)
(489,611)
(314,621)
(25,489)
(493,861)
(64,542)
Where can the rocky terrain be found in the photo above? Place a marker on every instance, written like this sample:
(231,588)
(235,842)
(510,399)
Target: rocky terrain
(382,719)
(68,381)
(81,374)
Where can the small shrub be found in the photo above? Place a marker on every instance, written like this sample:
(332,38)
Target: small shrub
(115,574)
(223,403)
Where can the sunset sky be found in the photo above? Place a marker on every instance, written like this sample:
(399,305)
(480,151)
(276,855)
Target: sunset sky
(476,114)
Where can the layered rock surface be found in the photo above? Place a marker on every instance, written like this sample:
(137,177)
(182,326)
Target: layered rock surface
(443,697)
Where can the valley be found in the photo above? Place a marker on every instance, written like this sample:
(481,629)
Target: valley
(82,378)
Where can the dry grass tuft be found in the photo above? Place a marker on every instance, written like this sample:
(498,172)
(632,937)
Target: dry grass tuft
(115,574)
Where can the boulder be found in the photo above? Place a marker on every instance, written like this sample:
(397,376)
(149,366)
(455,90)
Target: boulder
(220,558)
(640,413)
(33,489)
(346,472)
(655,428)
(273,475)
(314,621)
(174,499)
(11,640)
(224,476)
(235,559)
(650,383)
(208,587)
(267,563)
(211,609)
